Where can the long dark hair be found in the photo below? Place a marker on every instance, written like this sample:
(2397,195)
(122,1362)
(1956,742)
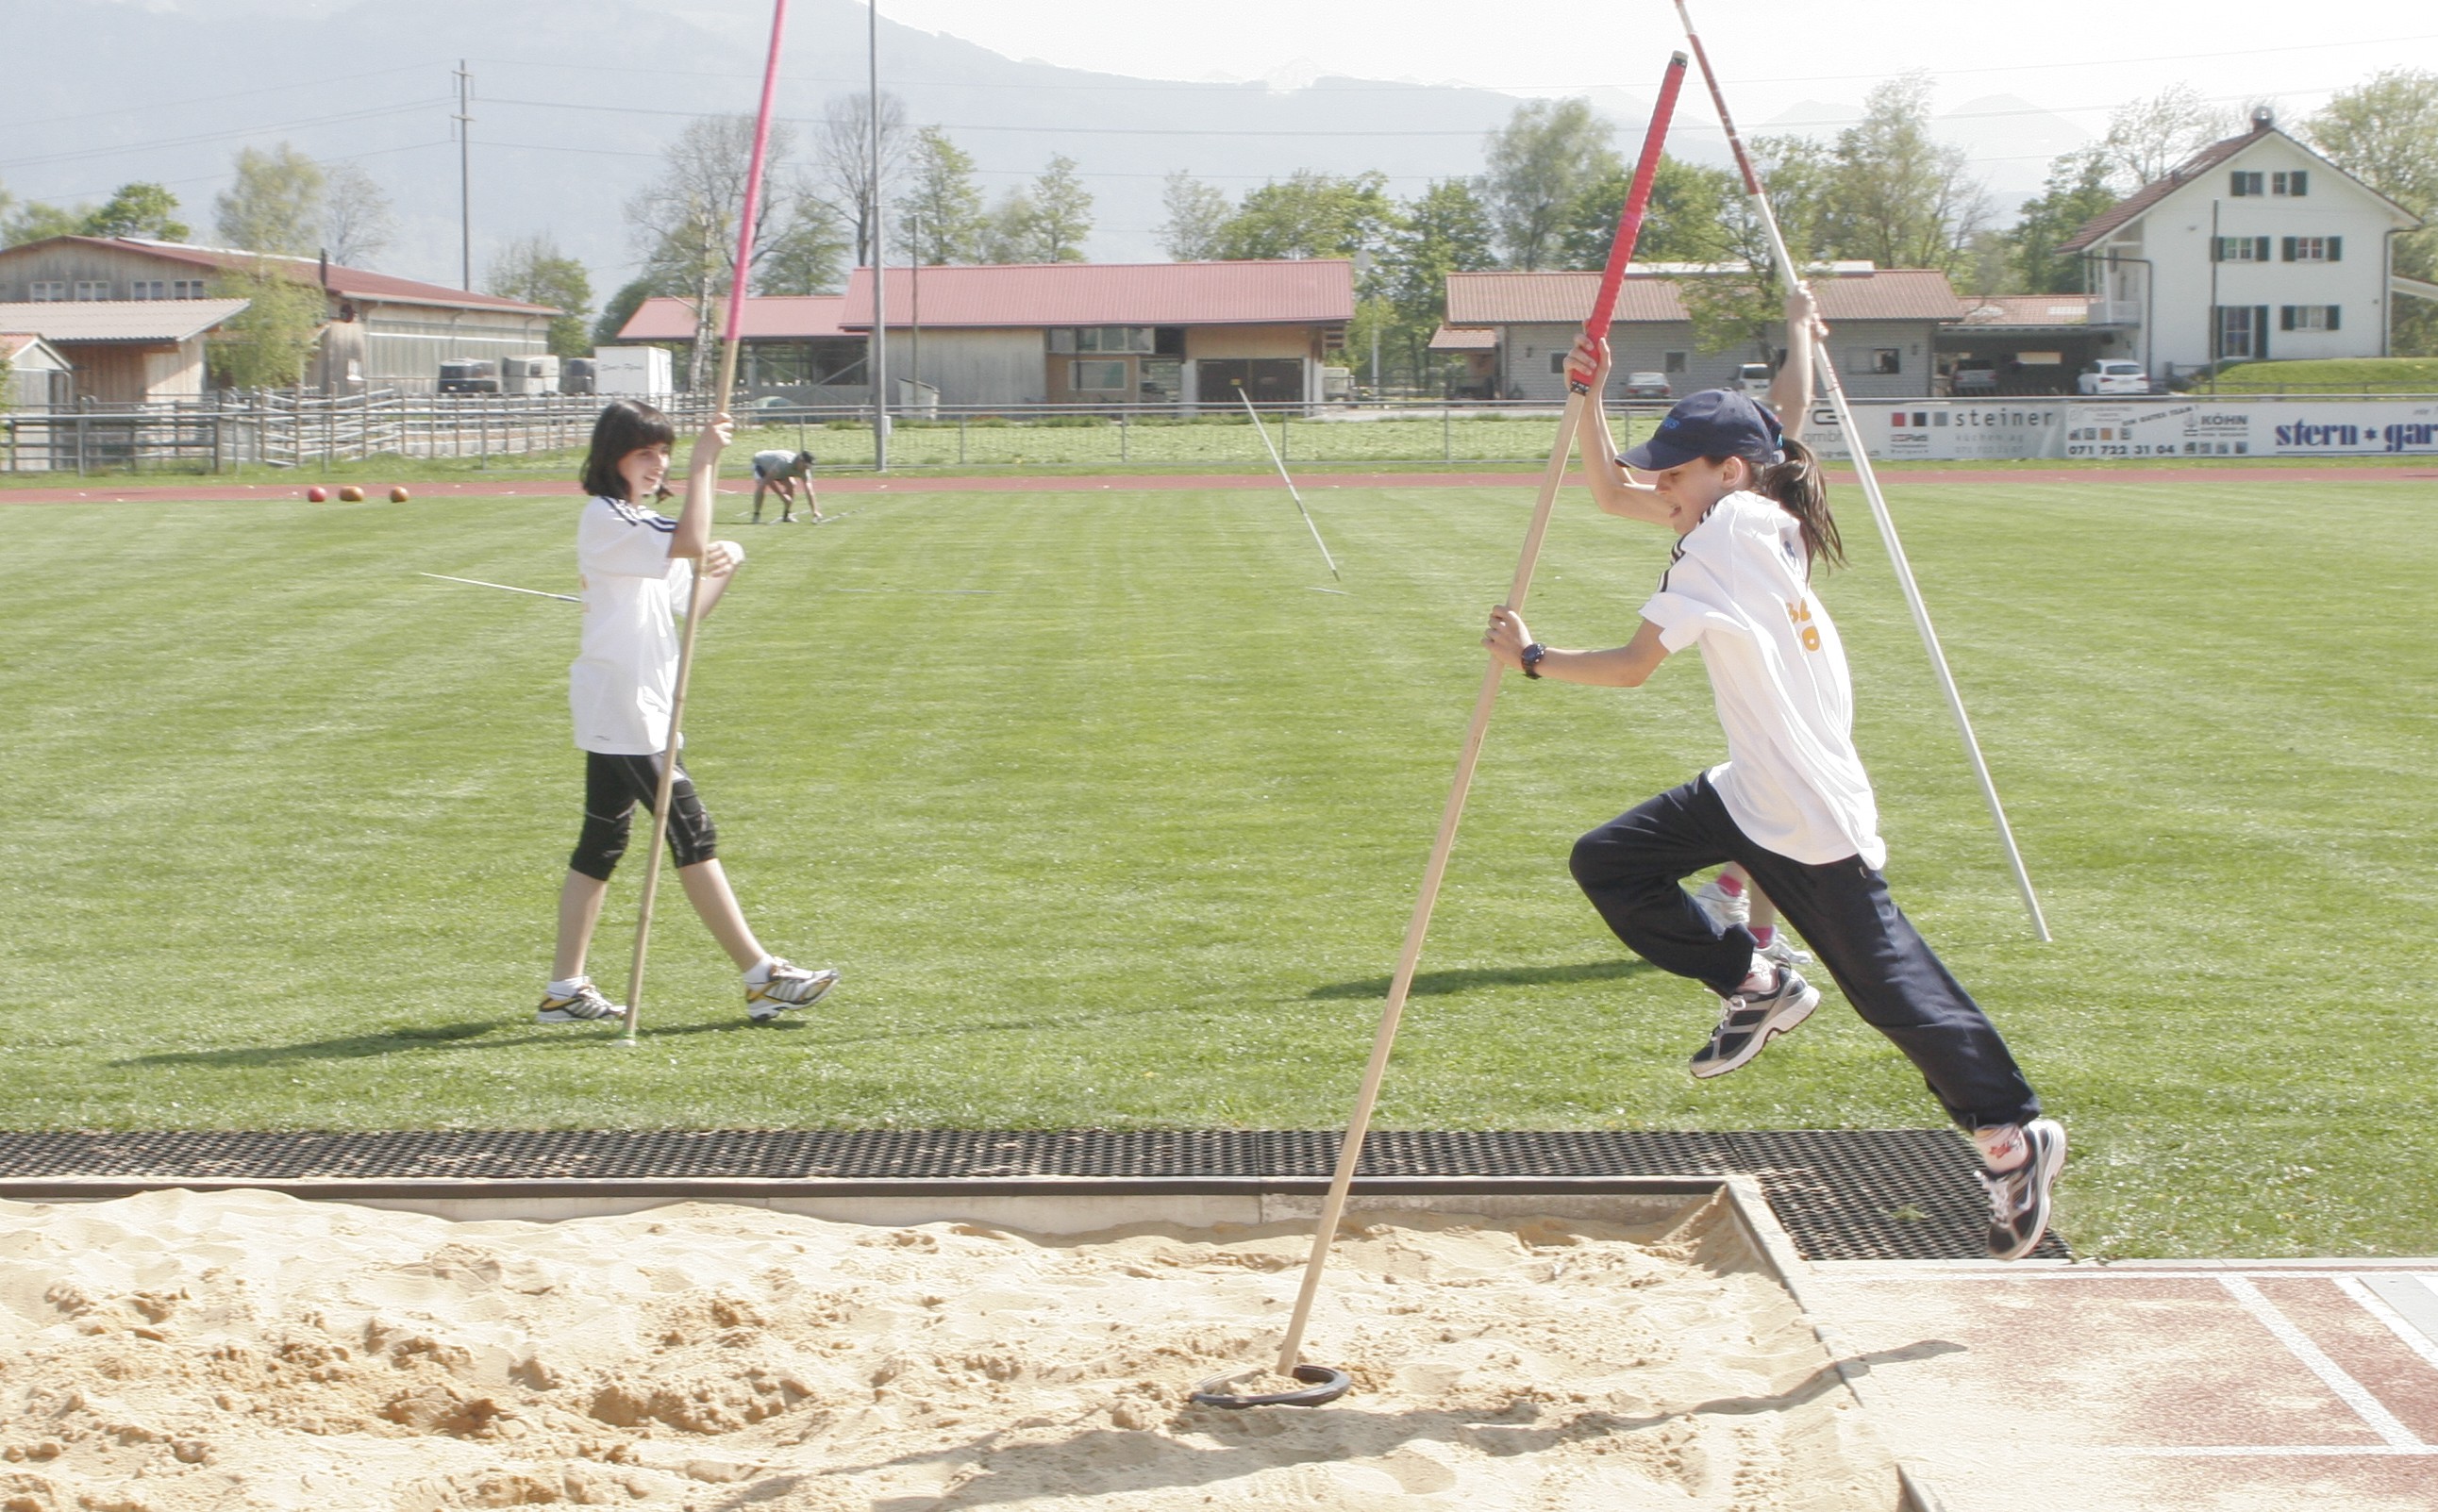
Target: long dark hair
(624,425)
(1795,485)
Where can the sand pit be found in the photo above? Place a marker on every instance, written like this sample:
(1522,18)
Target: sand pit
(249,1350)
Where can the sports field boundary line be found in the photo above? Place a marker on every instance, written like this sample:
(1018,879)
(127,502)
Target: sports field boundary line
(427,489)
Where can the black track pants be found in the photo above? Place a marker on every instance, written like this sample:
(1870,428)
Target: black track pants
(1632,869)
(613,786)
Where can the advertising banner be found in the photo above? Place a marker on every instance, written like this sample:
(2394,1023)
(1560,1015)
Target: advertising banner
(1970,430)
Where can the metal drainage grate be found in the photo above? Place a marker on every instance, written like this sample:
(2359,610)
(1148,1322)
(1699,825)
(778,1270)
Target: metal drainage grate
(1865,1194)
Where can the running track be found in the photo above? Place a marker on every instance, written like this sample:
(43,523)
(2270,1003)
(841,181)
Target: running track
(1170,482)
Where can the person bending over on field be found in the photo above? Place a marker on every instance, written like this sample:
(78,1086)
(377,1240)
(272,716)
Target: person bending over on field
(780,471)
(1792,804)
(638,570)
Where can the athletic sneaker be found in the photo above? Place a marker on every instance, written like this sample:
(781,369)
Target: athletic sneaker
(586,1002)
(1783,949)
(790,985)
(1726,909)
(1748,1022)
(2019,1199)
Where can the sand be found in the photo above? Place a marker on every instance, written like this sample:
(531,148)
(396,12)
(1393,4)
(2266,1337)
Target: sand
(249,1350)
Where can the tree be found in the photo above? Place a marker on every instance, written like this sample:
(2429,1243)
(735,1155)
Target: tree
(940,215)
(2078,189)
(37,222)
(1044,223)
(275,205)
(1196,211)
(809,245)
(138,210)
(842,160)
(534,270)
(1062,212)
(1895,195)
(357,223)
(1684,223)
(621,308)
(2148,137)
(1537,165)
(1310,215)
(267,344)
(1737,307)
(685,219)
(2385,132)
(1445,229)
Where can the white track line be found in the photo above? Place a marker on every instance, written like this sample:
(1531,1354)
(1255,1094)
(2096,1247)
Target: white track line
(2397,1324)
(2355,1394)
(2263,1452)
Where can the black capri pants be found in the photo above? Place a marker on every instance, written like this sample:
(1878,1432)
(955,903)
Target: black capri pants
(1632,867)
(613,786)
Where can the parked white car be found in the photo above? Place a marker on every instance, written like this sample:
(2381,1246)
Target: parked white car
(2114,378)
(1753,379)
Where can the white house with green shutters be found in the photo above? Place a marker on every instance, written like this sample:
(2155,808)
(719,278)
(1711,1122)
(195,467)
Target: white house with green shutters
(2255,248)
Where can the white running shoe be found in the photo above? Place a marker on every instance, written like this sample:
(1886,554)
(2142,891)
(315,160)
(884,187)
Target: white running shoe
(790,985)
(1783,949)
(1748,1022)
(2019,1199)
(584,1003)
(1726,909)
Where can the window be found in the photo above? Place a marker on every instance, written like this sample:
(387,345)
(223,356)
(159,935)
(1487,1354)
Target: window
(1887,359)
(2243,185)
(2296,183)
(1097,378)
(148,289)
(93,289)
(2313,249)
(2242,249)
(187,288)
(1557,362)
(48,289)
(2308,318)
(1673,361)
(2242,330)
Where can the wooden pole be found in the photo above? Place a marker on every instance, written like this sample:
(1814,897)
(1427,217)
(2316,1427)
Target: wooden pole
(1350,1154)
(736,289)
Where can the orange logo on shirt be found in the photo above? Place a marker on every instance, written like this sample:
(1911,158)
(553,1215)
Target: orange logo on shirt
(1800,612)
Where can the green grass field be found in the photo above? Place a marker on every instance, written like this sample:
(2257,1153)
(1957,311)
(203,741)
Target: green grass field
(1124,830)
(2353,375)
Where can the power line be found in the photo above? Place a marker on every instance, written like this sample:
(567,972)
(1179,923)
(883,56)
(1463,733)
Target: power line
(154,107)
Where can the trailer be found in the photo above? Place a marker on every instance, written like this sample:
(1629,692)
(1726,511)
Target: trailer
(641,372)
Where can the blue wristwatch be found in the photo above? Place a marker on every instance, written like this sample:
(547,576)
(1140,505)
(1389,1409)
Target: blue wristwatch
(1532,656)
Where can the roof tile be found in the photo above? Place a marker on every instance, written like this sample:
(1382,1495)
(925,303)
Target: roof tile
(1561,298)
(1305,291)
(151,322)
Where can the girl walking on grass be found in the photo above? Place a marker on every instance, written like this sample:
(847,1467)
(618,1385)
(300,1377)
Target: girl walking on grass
(638,569)
(1791,805)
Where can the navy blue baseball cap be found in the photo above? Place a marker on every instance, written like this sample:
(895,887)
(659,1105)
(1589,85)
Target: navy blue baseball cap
(1713,423)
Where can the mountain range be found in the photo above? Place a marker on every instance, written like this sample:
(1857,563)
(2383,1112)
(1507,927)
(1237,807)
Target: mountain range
(574,99)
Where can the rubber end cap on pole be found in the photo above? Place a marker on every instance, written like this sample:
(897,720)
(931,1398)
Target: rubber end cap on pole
(1325,1385)
(1677,59)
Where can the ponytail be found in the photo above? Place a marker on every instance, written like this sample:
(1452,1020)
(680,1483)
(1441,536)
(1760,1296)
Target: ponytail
(1795,485)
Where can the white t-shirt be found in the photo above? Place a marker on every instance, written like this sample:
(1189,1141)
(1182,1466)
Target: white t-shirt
(625,673)
(1792,781)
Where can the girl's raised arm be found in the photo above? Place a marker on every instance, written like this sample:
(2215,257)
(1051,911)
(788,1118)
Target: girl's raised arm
(702,488)
(1790,394)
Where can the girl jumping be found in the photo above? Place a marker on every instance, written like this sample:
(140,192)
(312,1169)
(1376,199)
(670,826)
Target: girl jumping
(1791,805)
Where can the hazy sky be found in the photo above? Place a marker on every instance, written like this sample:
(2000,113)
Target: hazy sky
(2064,54)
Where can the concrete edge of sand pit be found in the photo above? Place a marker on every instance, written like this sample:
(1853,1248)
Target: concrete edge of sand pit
(1079,1204)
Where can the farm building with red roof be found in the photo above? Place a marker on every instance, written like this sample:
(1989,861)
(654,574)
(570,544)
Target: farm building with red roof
(1172,334)
(380,331)
(1884,327)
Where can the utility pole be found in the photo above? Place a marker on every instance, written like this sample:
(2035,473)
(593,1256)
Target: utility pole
(465,120)
(879,258)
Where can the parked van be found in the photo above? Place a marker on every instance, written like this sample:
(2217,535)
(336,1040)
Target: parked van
(1753,379)
(575,375)
(468,375)
(529,374)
